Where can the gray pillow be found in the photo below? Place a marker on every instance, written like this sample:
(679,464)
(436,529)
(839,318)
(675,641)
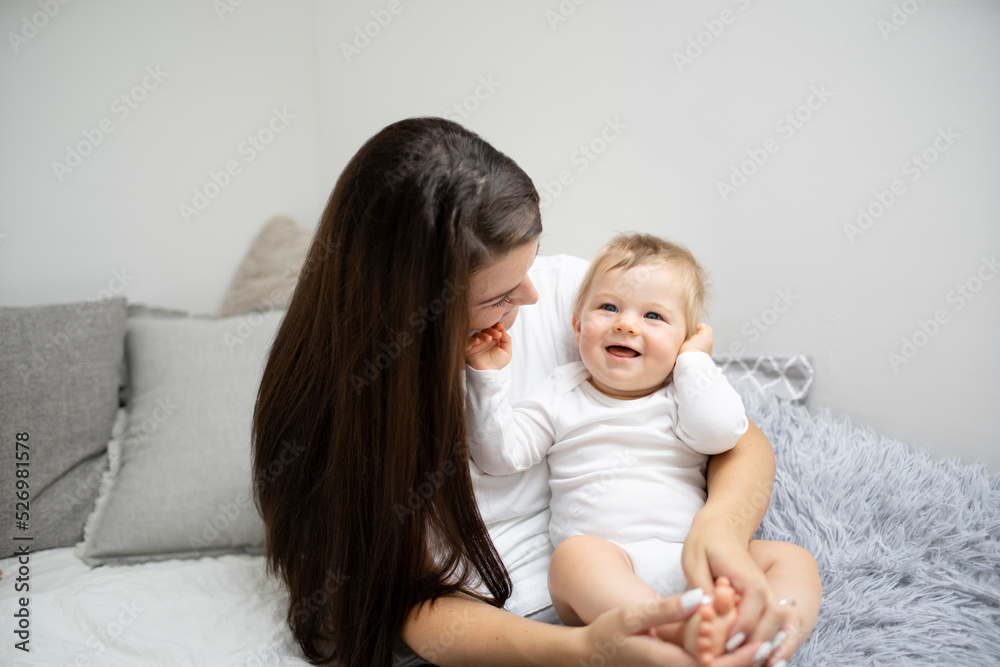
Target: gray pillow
(179,484)
(60,369)
(785,377)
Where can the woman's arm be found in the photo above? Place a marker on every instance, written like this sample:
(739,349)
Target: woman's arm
(458,630)
(739,492)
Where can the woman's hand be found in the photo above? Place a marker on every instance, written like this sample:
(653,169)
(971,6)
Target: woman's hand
(739,491)
(713,551)
(455,631)
(489,349)
(623,637)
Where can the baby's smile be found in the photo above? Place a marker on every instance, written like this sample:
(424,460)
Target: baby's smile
(622,352)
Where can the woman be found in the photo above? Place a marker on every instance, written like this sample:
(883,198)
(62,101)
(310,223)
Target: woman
(375,527)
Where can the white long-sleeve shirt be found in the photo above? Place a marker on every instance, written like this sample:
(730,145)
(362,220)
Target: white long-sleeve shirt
(625,470)
(515,507)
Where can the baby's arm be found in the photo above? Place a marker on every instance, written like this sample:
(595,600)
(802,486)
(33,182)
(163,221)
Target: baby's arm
(502,440)
(710,414)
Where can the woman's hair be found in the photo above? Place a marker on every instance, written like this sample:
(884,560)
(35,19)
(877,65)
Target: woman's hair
(360,462)
(627,250)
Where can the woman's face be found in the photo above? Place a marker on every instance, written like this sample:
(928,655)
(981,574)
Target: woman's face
(498,289)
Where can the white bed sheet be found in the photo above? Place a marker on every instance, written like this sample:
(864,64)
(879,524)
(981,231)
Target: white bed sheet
(220,611)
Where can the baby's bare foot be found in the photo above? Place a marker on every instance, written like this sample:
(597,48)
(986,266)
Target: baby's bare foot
(705,632)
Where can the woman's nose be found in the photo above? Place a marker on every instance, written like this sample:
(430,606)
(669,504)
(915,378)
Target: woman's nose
(526,294)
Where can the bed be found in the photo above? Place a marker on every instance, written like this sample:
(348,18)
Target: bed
(145,548)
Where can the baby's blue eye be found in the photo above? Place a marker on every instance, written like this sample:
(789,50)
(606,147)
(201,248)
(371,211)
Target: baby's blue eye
(653,316)
(608,307)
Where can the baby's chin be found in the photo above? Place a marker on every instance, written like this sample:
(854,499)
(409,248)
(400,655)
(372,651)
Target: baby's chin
(621,390)
(618,387)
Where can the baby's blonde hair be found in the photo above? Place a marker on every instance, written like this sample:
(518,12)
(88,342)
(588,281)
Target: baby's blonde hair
(628,250)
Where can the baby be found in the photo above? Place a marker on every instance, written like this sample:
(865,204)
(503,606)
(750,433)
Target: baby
(627,433)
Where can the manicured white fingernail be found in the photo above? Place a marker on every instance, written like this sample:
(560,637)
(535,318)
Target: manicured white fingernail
(778,639)
(781,663)
(762,652)
(691,599)
(735,642)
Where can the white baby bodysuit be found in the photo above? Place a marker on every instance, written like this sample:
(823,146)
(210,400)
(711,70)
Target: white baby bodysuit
(630,471)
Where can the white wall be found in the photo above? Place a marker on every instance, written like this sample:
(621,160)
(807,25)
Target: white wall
(216,83)
(887,81)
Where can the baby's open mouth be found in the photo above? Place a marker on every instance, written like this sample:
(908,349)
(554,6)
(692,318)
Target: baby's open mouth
(621,351)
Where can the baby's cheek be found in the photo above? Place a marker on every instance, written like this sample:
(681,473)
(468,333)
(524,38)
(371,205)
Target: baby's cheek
(588,337)
(592,329)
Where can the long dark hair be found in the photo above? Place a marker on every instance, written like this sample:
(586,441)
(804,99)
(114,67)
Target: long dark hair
(359,434)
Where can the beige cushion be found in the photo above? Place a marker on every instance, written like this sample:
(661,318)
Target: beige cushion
(266,277)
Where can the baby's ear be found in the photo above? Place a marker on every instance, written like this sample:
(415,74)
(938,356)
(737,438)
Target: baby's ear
(576,327)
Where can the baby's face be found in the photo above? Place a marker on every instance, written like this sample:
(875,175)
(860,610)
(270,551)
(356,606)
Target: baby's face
(630,329)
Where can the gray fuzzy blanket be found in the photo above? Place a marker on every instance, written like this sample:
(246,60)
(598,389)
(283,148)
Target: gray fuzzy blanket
(908,546)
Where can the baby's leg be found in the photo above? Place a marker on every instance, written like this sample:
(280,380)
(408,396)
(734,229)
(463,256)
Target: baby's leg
(589,575)
(793,576)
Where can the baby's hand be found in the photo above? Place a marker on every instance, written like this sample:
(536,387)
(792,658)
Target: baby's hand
(700,340)
(490,349)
